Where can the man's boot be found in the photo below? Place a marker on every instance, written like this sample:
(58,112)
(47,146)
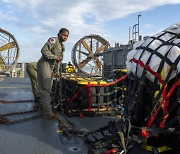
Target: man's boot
(51,116)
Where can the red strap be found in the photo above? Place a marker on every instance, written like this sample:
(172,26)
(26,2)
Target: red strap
(165,102)
(151,119)
(144,133)
(161,124)
(110,83)
(116,81)
(95,85)
(175,85)
(110,151)
(81,115)
(89,96)
(76,94)
(148,69)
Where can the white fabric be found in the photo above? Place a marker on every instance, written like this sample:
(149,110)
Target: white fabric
(155,60)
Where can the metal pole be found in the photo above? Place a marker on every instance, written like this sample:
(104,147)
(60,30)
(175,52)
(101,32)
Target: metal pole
(129,34)
(138,26)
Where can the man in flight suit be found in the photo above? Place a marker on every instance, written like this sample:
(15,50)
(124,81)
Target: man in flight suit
(52,53)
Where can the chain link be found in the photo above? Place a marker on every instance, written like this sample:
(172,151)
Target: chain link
(58,87)
(17,113)
(67,129)
(5,120)
(15,101)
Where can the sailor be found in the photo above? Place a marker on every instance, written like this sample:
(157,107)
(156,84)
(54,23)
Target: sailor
(52,54)
(31,69)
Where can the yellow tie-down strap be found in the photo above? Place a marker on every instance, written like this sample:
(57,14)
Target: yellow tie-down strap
(152,149)
(92,82)
(87,81)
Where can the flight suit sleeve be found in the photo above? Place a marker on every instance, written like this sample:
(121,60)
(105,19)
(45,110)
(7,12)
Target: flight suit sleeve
(62,52)
(47,50)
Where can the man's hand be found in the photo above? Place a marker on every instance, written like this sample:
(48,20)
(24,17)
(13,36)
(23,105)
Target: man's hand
(56,75)
(59,59)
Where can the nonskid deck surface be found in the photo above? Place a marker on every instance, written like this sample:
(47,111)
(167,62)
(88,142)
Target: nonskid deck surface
(38,136)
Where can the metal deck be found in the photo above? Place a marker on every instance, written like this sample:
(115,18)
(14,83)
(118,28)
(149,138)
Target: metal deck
(39,136)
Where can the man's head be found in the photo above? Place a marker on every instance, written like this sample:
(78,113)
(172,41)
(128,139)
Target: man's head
(63,34)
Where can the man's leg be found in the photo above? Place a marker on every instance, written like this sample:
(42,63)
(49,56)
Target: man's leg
(32,72)
(45,85)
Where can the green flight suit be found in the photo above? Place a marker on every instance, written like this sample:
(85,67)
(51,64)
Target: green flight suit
(50,52)
(31,69)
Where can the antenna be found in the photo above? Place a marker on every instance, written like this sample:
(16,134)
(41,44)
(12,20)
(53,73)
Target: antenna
(136,31)
(138,26)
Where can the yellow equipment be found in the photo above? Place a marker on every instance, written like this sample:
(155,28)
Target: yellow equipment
(70,69)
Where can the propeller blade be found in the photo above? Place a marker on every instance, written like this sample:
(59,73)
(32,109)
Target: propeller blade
(7,46)
(84,62)
(83,52)
(86,46)
(98,63)
(101,48)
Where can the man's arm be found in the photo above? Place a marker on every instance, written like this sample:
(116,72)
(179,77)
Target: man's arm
(46,49)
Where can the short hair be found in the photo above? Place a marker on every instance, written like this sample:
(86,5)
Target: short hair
(63,30)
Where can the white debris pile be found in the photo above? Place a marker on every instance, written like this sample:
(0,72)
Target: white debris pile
(152,53)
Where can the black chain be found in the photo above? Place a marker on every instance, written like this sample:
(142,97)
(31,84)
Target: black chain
(67,129)
(15,101)
(17,113)
(8,122)
(5,120)
(60,82)
(58,77)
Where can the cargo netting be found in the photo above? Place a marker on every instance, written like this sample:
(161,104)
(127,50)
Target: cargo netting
(86,97)
(152,101)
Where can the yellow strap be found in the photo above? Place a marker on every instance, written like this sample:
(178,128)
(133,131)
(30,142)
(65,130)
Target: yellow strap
(121,135)
(162,76)
(150,148)
(146,147)
(59,131)
(164,148)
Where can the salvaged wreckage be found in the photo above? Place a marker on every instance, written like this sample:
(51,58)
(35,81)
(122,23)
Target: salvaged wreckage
(151,106)
(150,102)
